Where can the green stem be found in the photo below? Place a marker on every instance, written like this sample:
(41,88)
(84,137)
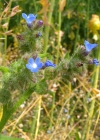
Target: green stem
(88,15)
(47,28)
(38,117)
(35,123)
(35,6)
(92,107)
(33,126)
(76,38)
(59,36)
(53,105)
(8,112)
(8,21)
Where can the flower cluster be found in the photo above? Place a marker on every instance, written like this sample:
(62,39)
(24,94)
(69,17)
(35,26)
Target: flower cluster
(35,64)
(30,19)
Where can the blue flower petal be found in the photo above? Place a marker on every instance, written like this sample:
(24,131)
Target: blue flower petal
(34,69)
(31,61)
(28,66)
(28,21)
(94,59)
(48,63)
(40,65)
(96,62)
(89,46)
(31,15)
(37,60)
(30,18)
(24,16)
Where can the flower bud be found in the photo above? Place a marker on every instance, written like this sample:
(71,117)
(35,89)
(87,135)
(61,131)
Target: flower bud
(38,35)
(39,23)
(29,25)
(20,37)
(94,61)
(34,56)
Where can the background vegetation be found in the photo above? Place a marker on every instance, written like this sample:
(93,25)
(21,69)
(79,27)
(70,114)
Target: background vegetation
(69,109)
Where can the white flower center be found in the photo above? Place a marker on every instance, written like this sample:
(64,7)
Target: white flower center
(34,65)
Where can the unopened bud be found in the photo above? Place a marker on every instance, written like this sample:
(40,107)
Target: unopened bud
(38,34)
(20,37)
(39,23)
(34,56)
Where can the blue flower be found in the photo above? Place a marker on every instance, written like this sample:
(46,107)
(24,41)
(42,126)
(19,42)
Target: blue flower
(34,64)
(48,63)
(96,62)
(89,46)
(29,19)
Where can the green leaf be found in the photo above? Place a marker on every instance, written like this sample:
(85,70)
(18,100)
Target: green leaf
(43,55)
(77,136)
(67,55)
(4,69)
(47,55)
(3,137)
